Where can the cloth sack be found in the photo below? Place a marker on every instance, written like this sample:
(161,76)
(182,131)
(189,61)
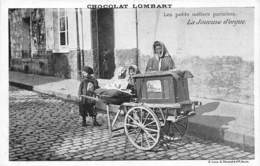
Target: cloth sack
(113,96)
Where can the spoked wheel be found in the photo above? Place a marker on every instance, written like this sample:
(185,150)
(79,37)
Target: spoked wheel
(160,115)
(142,127)
(176,130)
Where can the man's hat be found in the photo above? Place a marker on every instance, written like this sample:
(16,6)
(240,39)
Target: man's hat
(88,70)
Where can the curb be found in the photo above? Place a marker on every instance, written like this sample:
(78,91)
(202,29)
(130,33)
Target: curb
(232,139)
(65,97)
(20,85)
(244,142)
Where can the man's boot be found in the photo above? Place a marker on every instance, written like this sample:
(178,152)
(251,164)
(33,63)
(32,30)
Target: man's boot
(95,123)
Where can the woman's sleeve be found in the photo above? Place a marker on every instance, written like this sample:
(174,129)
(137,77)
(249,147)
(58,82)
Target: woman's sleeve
(170,62)
(149,65)
(96,84)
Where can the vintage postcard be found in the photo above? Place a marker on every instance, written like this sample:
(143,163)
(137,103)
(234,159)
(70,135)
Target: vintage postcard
(131,81)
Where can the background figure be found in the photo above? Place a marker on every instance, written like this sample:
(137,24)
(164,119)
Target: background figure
(161,60)
(132,70)
(105,70)
(107,65)
(123,79)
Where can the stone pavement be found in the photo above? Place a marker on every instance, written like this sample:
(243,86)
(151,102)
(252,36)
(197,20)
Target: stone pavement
(227,122)
(43,127)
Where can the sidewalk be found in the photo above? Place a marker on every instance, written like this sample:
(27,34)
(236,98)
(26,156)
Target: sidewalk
(227,122)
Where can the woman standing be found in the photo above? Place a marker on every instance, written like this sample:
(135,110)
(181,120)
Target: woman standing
(161,61)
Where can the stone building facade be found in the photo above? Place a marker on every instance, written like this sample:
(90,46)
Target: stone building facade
(58,42)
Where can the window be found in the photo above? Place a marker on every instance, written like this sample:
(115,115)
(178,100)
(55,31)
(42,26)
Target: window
(63,27)
(154,89)
(157,89)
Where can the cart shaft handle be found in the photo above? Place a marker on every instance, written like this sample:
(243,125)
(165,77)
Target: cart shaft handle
(90,97)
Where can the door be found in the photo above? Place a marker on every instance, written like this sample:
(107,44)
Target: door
(103,42)
(26,42)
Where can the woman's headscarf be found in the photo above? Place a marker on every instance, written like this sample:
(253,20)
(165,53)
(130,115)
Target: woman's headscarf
(164,49)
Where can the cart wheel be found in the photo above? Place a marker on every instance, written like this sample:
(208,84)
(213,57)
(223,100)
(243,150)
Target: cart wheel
(142,127)
(160,115)
(176,130)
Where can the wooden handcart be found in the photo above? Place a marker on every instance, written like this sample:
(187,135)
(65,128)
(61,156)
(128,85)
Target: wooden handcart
(160,107)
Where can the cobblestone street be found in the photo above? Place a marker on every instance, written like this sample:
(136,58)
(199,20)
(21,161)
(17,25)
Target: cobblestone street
(43,127)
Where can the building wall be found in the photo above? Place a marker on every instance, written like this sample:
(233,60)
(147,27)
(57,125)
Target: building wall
(202,40)
(125,37)
(64,58)
(16,39)
(85,34)
(68,55)
(28,44)
(38,33)
(35,41)
(49,24)
(219,56)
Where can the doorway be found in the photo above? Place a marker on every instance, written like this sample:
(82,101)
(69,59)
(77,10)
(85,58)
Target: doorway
(103,42)
(26,41)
